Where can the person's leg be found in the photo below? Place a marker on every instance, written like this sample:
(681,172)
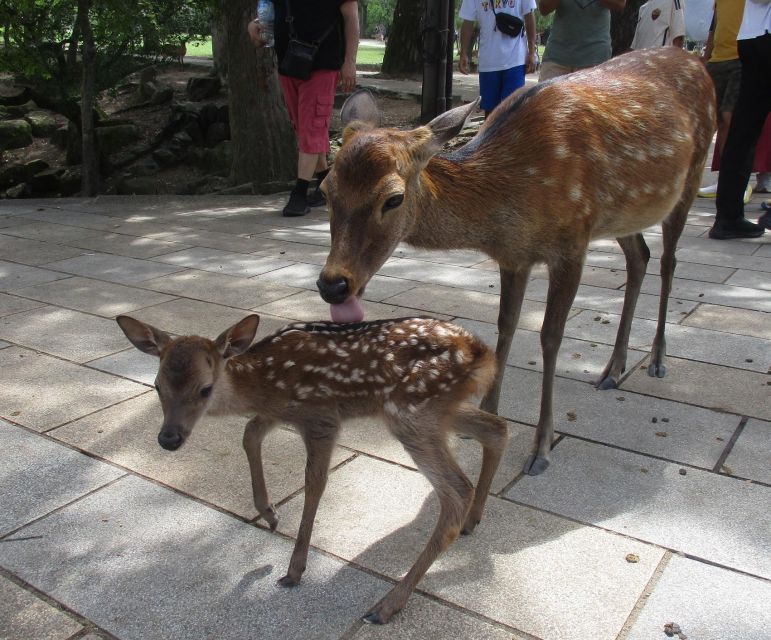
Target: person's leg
(749,114)
(726,76)
(296,206)
(489,90)
(551,70)
(511,80)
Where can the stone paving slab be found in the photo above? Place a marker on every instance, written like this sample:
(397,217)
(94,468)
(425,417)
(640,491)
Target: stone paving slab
(751,453)
(41,392)
(729,320)
(64,333)
(120,269)
(231,291)
(93,296)
(72,217)
(707,385)
(131,363)
(513,569)
(442,274)
(693,435)
(754,279)
(725,294)
(34,252)
(38,476)
(49,232)
(13,304)
(708,603)
(701,514)
(684,270)
(14,276)
(704,345)
(24,615)
(143,562)
(129,246)
(218,261)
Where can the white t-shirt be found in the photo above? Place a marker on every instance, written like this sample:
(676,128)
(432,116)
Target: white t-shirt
(659,22)
(756,21)
(496,50)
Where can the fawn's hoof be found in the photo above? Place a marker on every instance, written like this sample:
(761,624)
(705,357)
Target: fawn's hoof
(657,370)
(288,581)
(606,383)
(271,519)
(469,526)
(535,465)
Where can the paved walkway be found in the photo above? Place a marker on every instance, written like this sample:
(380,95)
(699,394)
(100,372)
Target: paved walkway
(655,510)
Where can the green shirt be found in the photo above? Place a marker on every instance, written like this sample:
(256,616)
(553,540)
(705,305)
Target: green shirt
(580,37)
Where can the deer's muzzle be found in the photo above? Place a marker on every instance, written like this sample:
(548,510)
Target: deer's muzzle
(171,438)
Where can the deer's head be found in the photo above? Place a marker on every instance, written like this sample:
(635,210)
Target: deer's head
(374,191)
(190,368)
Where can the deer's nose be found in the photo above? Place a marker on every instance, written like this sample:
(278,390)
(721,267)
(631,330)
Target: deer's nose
(170,440)
(333,291)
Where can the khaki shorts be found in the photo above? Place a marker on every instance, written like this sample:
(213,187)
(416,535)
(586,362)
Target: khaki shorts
(551,70)
(727,76)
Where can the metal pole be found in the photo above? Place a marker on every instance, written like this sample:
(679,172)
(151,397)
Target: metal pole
(450,54)
(441,51)
(429,43)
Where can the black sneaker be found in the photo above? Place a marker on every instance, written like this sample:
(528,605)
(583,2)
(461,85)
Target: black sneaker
(316,198)
(741,228)
(765,220)
(297,205)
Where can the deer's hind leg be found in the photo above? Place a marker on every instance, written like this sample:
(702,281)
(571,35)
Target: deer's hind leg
(425,439)
(671,228)
(491,432)
(255,432)
(637,255)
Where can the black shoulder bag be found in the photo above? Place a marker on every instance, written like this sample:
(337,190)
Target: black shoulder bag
(506,23)
(298,58)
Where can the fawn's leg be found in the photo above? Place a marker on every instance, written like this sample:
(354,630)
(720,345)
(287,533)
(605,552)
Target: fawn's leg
(563,284)
(491,432)
(513,285)
(671,228)
(319,442)
(255,432)
(433,458)
(637,256)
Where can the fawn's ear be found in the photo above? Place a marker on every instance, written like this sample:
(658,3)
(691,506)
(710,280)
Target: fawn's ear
(447,125)
(238,338)
(143,336)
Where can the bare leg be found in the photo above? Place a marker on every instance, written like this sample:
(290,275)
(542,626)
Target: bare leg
(255,432)
(563,284)
(637,256)
(319,442)
(513,285)
(491,432)
(455,494)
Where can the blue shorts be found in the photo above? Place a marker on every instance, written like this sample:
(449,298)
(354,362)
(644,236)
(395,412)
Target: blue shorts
(494,86)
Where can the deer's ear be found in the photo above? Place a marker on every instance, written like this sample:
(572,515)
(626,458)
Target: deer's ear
(143,336)
(361,106)
(449,124)
(238,338)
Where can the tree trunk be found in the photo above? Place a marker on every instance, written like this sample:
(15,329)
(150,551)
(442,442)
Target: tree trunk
(90,182)
(362,18)
(403,51)
(264,148)
(623,25)
(219,44)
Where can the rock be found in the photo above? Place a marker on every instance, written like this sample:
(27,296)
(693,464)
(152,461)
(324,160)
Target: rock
(43,123)
(11,175)
(46,182)
(165,157)
(181,139)
(116,137)
(203,87)
(70,180)
(4,113)
(74,144)
(15,134)
(223,114)
(216,133)
(137,186)
(147,167)
(14,95)
(20,110)
(163,93)
(35,166)
(59,137)
(221,158)
(209,115)
(19,191)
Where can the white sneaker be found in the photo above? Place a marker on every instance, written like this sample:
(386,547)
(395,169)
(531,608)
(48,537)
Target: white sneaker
(708,192)
(747,194)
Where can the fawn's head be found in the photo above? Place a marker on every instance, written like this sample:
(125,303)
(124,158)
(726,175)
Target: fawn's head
(373,193)
(190,367)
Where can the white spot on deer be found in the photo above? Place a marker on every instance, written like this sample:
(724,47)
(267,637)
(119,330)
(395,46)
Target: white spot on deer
(390,407)
(280,384)
(288,364)
(459,358)
(531,171)
(389,357)
(561,151)
(341,353)
(365,347)
(269,360)
(576,193)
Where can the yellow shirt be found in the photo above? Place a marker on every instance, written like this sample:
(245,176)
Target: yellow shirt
(729,15)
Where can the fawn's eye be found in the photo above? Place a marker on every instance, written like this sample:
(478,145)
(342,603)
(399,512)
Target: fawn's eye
(393,202)
(206,392)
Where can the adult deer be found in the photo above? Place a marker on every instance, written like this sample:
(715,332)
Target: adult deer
(627,139)
(415,373)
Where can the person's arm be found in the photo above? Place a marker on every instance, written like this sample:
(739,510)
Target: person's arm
(613,5)
(255,33)
(710,38)
(532,51)
(466,31)
(547,6)
(350,11)
(677,24)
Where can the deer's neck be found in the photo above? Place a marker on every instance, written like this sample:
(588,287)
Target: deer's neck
(239,390)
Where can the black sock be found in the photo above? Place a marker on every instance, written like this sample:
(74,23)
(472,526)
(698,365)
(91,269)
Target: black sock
(320,175)
(301,186)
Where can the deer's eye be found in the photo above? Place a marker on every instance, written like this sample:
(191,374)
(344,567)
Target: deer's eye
(393,202)
(206,392)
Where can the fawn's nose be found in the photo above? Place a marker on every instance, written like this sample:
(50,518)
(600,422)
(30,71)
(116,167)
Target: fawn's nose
(333,291)
(170,440)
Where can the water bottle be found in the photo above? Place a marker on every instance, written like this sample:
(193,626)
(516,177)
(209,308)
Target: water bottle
(266,16)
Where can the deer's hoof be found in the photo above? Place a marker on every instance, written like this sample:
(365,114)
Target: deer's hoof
(469,526)
(535,465)
(271,519)
(607,383)
(657,370)
(288,581)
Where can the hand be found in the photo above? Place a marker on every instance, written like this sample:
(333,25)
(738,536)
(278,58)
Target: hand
(255,33)
(463,64)
(531,62)
(348,76)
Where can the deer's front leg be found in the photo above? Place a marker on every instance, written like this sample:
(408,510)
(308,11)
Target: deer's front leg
(513,285)
(319,442)
(255,432)
(563,284)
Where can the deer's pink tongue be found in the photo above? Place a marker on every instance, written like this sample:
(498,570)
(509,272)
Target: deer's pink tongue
(348,311)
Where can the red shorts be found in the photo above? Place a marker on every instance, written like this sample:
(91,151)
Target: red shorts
(309,103)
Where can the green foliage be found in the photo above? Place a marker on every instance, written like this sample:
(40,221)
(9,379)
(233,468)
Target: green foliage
(379,13)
